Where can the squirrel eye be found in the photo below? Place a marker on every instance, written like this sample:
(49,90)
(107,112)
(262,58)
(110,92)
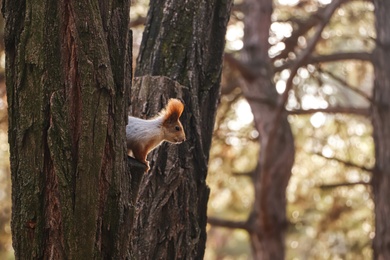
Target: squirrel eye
(177,128)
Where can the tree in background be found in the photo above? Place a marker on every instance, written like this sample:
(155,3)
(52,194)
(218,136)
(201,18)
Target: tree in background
(381,123)
(315,72)
(267,222)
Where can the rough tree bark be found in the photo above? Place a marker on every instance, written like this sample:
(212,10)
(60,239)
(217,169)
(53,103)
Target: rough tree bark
(68,71)
(267,223)
(381,131)
(184,41)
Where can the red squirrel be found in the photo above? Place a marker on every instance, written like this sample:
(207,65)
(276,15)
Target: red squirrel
(142,136)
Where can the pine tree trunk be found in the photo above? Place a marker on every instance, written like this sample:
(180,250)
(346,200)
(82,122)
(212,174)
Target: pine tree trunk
(68,71)
(183,41)
(268,220)
(381,123)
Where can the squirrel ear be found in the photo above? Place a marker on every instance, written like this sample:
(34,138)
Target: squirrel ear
(173,117)
(173,110)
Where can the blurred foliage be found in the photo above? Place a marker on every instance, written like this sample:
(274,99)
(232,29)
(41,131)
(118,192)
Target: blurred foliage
(330,222)
(330,209)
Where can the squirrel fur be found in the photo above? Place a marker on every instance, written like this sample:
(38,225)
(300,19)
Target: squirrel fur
(142,136)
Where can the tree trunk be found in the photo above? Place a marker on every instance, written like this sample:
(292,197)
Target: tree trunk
(184,41)
(268,220)
(381,131)
(68,71)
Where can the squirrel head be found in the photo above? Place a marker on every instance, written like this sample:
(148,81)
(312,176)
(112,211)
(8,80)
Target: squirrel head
(173,129)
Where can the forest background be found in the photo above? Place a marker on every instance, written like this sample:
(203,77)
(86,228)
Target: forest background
(329,201)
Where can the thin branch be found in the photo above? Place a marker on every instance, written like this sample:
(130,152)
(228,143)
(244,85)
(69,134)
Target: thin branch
(297,63)
(332,110)
(228,223)
(343,184)
(303,28)
(246,72)
(224,113)
(363,56)
(345,84)
(228,88)
(139,21)
(249,174)
(347,163)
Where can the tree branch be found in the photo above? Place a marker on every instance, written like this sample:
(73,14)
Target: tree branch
(246,72)
(327,14)
(363,56)
(228,223)
(139,21)
(345,84)
(319,17)
(343,184)
(332,110)
(347,163)
(249,174)
(303,28)
(300,60)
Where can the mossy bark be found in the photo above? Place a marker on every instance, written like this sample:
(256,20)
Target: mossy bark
(381,131)
(182,41)
(68,72)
